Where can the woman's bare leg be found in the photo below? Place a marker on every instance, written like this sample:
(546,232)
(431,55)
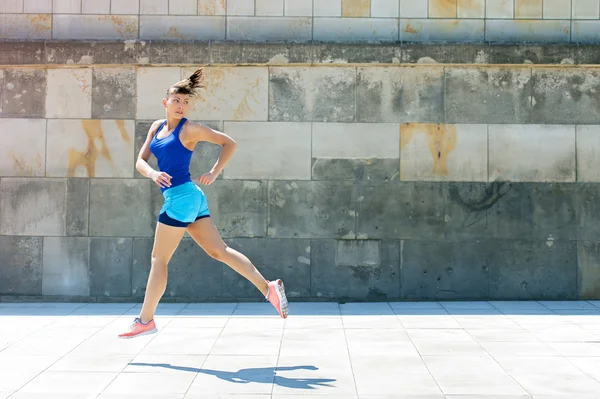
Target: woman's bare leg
(206,235)
(166,241)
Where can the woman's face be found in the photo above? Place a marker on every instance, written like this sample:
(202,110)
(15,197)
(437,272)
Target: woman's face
(177,105)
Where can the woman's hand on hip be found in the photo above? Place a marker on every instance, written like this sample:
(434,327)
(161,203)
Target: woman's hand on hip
(207,179)
(162,179)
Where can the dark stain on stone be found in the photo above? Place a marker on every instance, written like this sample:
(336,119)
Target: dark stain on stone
(492,194)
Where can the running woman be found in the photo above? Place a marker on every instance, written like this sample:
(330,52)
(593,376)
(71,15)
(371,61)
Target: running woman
(172,141)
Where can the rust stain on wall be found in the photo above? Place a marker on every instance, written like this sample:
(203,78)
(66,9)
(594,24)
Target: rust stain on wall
(528,8)
(40,22)
(88,157)
(124,134)
(356,8)
(441,140)
(173,32)
(243,110)
(120,25)
(442,8)
(22,167)
(211,7)
(410,29)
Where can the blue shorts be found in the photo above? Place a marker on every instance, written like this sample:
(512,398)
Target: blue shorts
(184,204)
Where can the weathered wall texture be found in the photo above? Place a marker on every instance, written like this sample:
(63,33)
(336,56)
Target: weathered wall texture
(556,21)
(361,181)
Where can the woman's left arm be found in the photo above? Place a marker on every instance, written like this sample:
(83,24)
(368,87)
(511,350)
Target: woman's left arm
(199,132)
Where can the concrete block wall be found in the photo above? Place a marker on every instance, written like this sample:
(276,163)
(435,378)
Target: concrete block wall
(351,181)
(556,21)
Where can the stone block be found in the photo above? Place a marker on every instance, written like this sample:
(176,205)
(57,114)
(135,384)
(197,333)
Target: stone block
(532,270)
(488,95)
(384,8)
(1,90)
(331,8)
(66,269)
(155,7)
(133,215)
(66,6)
(288,145)
(298,8)
(400,94)
(21,53)
(400,210)
(269,8)
(24,93)
(234,94)
(33,206)
(585,9)
(556,9)
(363,269)
(125,7)
(78,207)
(165,52)
(261,53)
(211,7)
(587,53)
(413,9)
(288,260)
(588,153)
(151,87)
(270,29)
(26,26)
(470,8)
(466,209)
(442,30)
(95,6)
(528,31)
(588,269)
(499,9)
(192,273)
(27,155)
(11,6)
(21,265)
(90,148)
(357,53)
(110,266)
(183,7)
(353,30)
(69,93)
(514,153)
(369,169)
(586,32)
(528,9)
(299,94)
(178,28)
(433,270)
(311,210)
(95,27)
(356,8)
(240,7)
(37,7)
(532,54)
(204,158)
(588,209)
(439,152)
(442,8)
(113,94)
(238,208)
(85,53)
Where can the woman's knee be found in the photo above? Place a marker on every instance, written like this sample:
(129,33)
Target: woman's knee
(159,265)
(218,252)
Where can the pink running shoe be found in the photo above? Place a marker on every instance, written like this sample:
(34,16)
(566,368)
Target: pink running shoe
(138,329)
(276,295)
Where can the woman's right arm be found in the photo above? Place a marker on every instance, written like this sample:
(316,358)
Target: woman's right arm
(162,179)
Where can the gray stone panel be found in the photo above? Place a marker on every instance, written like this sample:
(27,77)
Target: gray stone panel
(534,31)
(192,273)
(238,208)
(466,209)
(448,53)
(113,93)
(78,207)
(22,53)
(353,30)
(488,95)
(24,93)
(269,29)
(311,210)
(530,270)
(566,96)
(2,73)
(587,54)
(299,94)
(588,269)
(400,210)
(357,281)
(261,53)
(532,54)
(400,94)
(356,53)
(288,260)
(97,52)
(165,52)
(444,270)
(20,265)
(588,209)
(358,253)
(66,266)
(121,208)
(110,266)
(440,30)
(370,169)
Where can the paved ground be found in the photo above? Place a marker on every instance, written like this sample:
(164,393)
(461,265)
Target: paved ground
(378,350)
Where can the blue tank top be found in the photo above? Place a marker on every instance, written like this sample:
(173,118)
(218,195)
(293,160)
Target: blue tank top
(173,158)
